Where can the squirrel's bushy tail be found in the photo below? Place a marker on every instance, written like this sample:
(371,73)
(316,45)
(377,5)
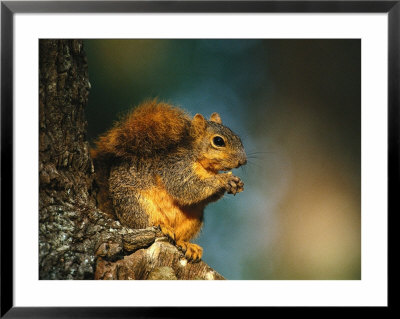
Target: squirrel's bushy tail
(151,127)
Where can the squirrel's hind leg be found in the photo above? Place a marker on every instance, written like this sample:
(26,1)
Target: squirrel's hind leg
(131,214)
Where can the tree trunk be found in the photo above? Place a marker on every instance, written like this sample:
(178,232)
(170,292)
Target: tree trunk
(76,240)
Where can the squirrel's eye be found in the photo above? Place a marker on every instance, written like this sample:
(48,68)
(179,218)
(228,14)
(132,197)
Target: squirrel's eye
(218,141)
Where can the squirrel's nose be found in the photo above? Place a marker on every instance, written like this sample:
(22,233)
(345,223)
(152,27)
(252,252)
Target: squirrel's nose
(242,162)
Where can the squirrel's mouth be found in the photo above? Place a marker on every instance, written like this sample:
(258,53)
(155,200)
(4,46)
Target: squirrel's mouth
(229,169)
(216,168)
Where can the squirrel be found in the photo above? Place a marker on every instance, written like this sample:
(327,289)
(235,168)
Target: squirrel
(160,167)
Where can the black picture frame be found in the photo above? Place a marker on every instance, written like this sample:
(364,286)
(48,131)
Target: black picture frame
(9,8)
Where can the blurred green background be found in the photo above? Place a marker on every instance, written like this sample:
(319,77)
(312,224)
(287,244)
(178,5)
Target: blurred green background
(297,106)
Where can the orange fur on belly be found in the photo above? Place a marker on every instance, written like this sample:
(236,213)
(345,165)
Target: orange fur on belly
(163,210)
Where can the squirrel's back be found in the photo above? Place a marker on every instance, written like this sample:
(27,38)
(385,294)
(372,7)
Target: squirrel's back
(151,127)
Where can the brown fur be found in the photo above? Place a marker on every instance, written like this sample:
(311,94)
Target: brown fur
(150,127)
(159,167)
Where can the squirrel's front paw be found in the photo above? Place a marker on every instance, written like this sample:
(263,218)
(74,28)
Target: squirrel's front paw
(192,252)
(234,184)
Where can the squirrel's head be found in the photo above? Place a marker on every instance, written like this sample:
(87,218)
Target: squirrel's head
(218,147)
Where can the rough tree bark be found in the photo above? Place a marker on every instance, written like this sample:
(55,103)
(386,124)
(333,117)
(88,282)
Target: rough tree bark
(76,240)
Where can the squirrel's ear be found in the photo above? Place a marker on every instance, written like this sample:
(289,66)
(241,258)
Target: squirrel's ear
(215,118)
(198,124)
